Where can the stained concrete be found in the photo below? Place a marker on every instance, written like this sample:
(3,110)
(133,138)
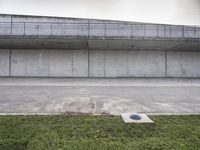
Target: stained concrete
(98,63)
(60,63)
(38,32)
(5,28)
(73,47)
(77,43)
(97,96)
(29,63)
(115,64)
(59,26)
(4,62)
(183,64)
(80,63)
(49,63)
(146,63)
(33,46)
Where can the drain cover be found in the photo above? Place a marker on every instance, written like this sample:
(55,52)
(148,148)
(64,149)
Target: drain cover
(136,118)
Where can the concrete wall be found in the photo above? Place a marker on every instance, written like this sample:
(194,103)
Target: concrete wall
(146,63)
(80,63)
(4,62)
(183,64)
(98,63)
(64,63)
(30,25)
(115,63)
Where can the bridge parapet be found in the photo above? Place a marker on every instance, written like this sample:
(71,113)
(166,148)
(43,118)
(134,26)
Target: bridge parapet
(91,28)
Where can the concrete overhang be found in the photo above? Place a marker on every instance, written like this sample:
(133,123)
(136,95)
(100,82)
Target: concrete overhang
(33,32)
(93,43)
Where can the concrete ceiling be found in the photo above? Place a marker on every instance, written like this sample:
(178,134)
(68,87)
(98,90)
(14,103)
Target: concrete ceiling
(91,44)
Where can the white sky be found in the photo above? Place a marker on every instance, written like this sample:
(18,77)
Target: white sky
(156,11)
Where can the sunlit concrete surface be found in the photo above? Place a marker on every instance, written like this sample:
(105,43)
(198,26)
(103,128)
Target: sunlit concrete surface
(99,96)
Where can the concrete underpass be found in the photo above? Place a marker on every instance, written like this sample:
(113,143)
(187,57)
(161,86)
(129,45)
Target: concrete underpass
(71,50)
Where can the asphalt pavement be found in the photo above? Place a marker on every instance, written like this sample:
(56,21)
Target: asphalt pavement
(99,95)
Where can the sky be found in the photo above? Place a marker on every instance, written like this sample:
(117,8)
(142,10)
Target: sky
(185,12)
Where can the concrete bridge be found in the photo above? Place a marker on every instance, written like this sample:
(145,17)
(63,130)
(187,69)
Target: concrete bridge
(69,47)
(101,51)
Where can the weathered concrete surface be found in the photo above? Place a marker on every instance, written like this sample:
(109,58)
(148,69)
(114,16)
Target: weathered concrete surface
(115,63)
(183,64)
(73,47)
(76,43)
(29,63)
(73,33)
(4,62)
(80,63)
(113,96)
(64,63)
(59,26)
(98,63)
(146,63)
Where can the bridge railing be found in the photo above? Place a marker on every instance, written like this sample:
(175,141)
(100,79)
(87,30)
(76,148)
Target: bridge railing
(125,30)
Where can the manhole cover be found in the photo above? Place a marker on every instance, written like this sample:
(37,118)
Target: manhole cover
(135,117)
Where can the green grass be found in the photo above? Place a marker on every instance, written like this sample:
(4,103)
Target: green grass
(85,132)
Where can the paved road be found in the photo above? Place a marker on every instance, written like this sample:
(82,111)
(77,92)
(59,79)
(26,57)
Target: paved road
(112,96)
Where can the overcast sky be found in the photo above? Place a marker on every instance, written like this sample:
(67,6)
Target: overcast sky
(156,11)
